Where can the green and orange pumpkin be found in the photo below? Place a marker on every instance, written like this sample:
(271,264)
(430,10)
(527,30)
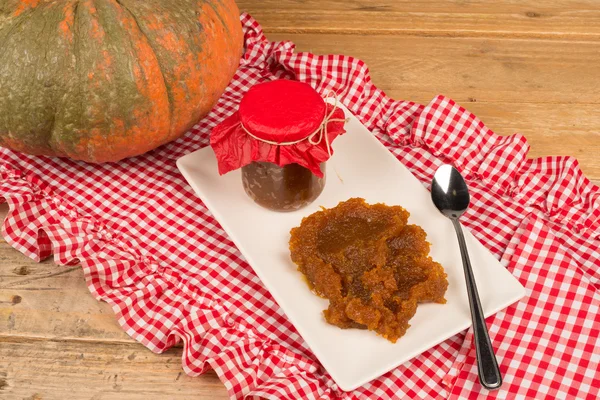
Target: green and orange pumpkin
(101,80)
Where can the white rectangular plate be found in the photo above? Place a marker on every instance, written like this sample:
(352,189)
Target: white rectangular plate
(360,167)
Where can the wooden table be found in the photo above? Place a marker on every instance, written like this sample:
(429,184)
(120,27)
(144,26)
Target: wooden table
(519,66)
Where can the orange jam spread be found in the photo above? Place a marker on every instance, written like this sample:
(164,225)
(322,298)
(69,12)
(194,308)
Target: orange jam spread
(369,263)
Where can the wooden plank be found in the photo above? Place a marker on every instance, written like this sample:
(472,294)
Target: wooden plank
(515,71)
(549,91)
(65,313)
(48,369)
(559,19)
(46,300)
(57,341)
(551,129)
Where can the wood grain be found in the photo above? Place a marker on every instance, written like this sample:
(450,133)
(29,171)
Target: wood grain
(58,342)
(46,300)
(49,369)
(49,301)
(546,90)
(554,20)
(521,66)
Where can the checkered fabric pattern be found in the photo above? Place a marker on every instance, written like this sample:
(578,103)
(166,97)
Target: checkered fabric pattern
(150,248)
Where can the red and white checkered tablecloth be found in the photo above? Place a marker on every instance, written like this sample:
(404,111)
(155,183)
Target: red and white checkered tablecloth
(150,248)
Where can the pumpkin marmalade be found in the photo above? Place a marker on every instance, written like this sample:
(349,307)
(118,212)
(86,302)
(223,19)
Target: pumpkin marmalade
(370,264)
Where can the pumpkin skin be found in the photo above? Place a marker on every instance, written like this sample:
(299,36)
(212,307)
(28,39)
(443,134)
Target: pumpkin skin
(101,80)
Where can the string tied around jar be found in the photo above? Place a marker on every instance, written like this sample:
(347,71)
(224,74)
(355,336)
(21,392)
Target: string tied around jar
(317,136)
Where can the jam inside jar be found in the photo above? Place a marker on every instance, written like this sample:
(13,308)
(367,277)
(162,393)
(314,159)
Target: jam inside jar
(280,137)
(286,188)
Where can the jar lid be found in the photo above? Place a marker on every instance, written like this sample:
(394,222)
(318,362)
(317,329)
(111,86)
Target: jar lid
(281,122)
(282,110)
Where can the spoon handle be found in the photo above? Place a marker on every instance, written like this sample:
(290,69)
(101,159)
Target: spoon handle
(489,373)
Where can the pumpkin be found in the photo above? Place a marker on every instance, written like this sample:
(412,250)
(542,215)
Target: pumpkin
(101,80)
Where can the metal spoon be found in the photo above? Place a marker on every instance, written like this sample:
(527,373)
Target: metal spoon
(450,195)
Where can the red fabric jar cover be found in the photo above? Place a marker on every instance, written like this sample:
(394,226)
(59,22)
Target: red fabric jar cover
(281,122)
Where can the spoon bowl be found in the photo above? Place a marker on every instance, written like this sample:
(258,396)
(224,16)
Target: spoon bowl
(449,192)
(450,195)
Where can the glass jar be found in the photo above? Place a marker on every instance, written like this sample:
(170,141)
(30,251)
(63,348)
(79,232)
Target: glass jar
(286,188)
(280,122)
